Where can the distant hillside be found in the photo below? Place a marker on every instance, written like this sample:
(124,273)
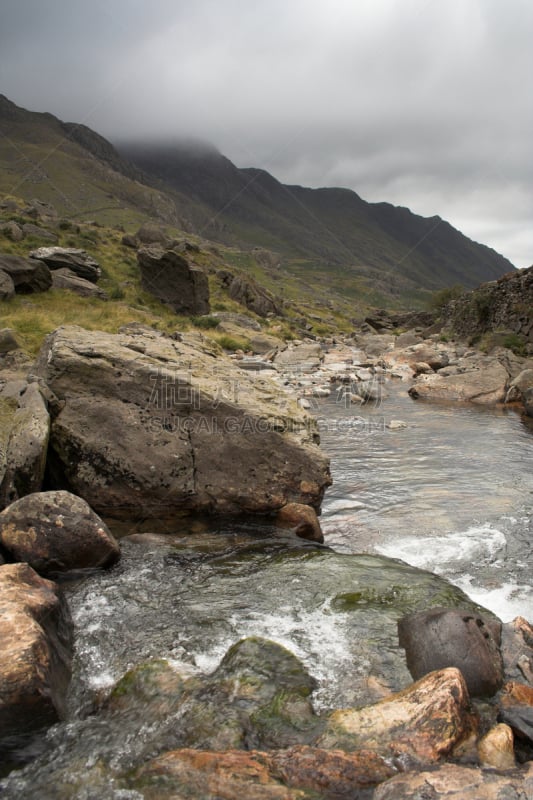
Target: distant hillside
(328,226)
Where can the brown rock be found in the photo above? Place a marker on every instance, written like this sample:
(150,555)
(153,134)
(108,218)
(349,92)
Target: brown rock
(35,663)
(302,519)
(56,531)
(444,637)
(453,782)
(425,721)
(516,694)
(517,650)
(496,748)
(299,772)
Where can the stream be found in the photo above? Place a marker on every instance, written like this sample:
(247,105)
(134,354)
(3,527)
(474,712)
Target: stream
(420,516)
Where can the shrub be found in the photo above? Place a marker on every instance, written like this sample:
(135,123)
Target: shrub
(206,322)
(233,343)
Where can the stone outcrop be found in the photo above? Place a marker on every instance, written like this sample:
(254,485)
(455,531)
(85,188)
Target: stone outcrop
(67,279)
(28,275)
(483,381)
(454,782)
(72,258)
(56,531)
(250,294)
(24,433)
(150,425)
(170,277)
(444,637)
(36,652)
(424,722)
(505,304)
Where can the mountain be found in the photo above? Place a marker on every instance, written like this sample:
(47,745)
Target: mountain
(331,239)
(327,227)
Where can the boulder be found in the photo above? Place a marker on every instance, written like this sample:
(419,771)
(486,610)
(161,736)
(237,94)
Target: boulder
(302,519)
(485,383)
(240,320)
(150,233)
(300,357)
(250,294)
(170,277)
(77,261)
(517,651)
(12,231)
(8,341)
(527,399)
(150,425)
(56,531)
(297,772)
(519,386)
(130,241)
(28,275)
(424,722)
(67,279)
(444,637)
(24,433)
(407,339)
(7,287)
(454,782)
(29,229)
(36,652)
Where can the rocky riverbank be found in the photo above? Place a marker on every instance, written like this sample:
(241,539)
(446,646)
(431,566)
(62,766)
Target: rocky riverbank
(250,727)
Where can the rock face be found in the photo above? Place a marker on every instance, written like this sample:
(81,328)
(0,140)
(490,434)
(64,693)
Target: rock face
(77,261)
(444,637)
(67,279)
(35,664)
(24,433)
(56,531)
(425,721)
(27,275)
(454,782)
(150,425)
(505,304)
(172,279)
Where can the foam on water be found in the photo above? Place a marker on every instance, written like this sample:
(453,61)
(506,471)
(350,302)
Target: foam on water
(507,601)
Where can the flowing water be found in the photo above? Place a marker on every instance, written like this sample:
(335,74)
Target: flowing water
(451,494)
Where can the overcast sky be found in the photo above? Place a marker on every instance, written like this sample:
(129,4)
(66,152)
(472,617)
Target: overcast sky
(422,103)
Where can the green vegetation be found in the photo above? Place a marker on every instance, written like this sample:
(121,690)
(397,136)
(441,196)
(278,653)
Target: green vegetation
(442,297)
(233,343)
(513,341)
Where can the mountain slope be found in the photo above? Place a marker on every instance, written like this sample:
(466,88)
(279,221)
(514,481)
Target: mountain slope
(328,226)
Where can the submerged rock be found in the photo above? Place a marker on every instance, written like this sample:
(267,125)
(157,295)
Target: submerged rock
(56,531)
(150,425)
(302,519)
(35,663)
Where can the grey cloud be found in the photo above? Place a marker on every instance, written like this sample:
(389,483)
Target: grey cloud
(419,103)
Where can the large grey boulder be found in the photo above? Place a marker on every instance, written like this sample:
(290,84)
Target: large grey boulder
(36,652)
(56,532)
(78,261)
(150,425)
(170,277)
(482,380)
(24,431)
(28,275)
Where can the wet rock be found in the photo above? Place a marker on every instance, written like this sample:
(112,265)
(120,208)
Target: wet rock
(302,519)
(72,258)
(28,275)
(519,386)
(396,425)
(484,382)
(517,651)
(7,287)
(170,277)
(56,531)
(299,772)
(24,434)
(151,425)
(453,782)
(496,748)
(67,279)
(424,722)
(36,653)
(444,637)
(527,399)
(520,719)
